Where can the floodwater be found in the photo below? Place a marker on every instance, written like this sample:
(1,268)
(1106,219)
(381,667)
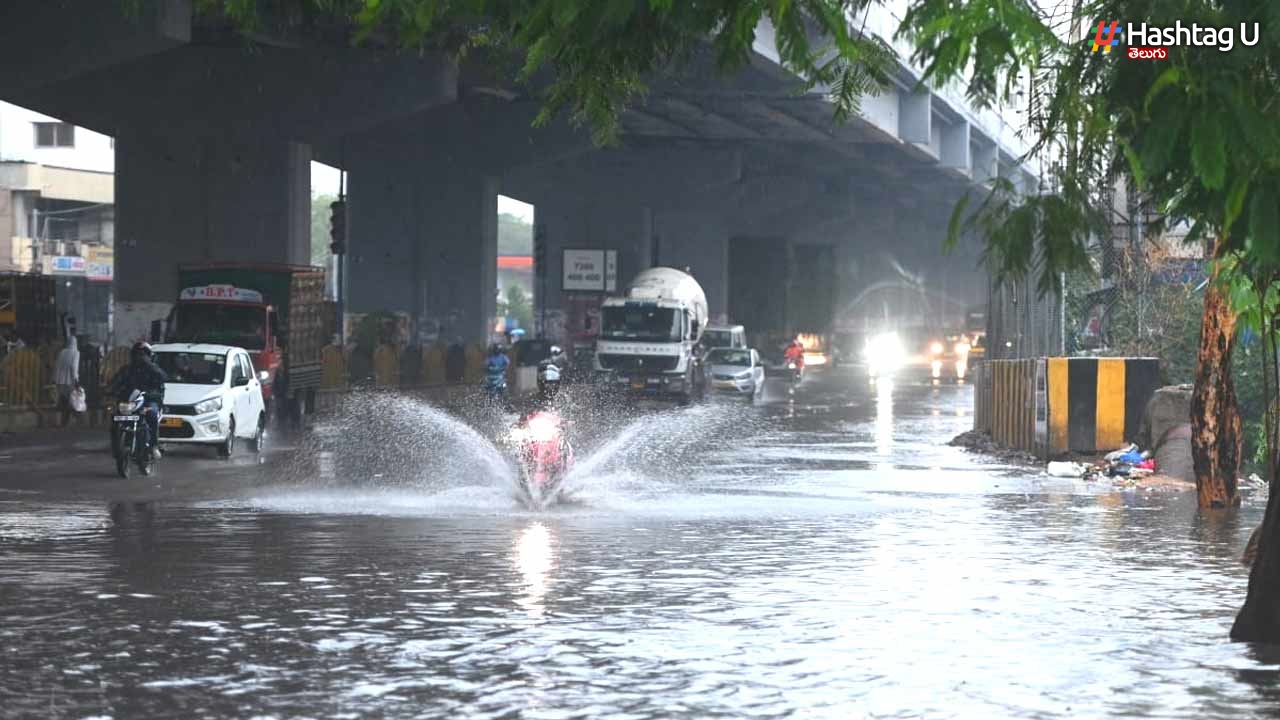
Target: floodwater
(822,555)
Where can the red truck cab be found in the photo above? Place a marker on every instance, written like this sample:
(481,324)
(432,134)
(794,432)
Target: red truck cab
(233,316)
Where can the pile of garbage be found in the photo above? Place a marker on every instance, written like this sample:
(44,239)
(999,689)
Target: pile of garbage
(1128,462)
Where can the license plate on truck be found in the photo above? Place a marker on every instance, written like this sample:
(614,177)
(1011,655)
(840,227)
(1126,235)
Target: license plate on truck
(124,418)
(637,384)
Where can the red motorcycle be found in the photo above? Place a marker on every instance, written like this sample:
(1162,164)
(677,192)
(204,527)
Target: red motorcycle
(543,455)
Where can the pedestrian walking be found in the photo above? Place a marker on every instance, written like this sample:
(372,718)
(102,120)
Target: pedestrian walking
(66,375)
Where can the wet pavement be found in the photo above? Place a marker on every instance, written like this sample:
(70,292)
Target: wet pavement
(817,555)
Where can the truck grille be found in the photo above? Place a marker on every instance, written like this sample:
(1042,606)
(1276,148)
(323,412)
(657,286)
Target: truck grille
(639,363)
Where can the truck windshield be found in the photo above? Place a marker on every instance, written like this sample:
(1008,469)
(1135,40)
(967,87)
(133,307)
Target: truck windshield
(192,368)
(650,324)
(240,325)
(717,338)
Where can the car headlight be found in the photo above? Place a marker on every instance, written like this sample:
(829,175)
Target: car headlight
(208,406)
(743,375)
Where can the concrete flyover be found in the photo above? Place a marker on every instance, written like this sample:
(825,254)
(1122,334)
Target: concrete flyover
(214,139)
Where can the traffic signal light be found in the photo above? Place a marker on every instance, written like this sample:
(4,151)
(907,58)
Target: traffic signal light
(338,227)
(540,250)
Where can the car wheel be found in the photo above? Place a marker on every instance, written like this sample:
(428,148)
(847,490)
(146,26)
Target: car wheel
(228,446)
(259,440)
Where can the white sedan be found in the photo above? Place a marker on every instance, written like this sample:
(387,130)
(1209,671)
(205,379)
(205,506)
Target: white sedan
(737,369)
(213,396)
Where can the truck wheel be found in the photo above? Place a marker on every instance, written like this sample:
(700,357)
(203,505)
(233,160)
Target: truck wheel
(228,446)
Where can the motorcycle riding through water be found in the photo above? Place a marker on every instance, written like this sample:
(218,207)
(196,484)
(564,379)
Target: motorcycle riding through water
(542,451)
(495,374)
(130,433)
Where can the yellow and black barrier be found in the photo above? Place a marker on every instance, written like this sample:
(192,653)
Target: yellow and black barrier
(1051,406)
(1096,404)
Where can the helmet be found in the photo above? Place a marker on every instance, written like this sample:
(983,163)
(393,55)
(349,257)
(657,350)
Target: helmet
(140,349)
(555,350)
(494,349)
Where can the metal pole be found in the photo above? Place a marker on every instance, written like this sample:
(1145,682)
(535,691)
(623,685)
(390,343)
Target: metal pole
(340,261)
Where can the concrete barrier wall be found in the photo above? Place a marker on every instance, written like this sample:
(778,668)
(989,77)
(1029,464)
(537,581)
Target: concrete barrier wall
(1051,406)
(1097,404)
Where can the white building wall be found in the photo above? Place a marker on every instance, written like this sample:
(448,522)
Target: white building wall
(92,151)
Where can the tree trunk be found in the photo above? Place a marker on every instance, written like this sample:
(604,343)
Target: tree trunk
(1215,421)
(1259,619)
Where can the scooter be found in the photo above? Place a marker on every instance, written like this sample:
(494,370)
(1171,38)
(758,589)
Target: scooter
(495,386)
(544,457)
(796,370)
(127,445)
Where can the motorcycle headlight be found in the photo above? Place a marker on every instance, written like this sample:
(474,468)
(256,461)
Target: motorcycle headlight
(935,348)
(124,408)
(208,406)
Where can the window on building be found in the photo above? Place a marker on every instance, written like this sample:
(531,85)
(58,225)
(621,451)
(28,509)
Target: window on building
(55,134)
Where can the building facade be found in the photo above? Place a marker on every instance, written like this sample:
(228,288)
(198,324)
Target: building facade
(57,211)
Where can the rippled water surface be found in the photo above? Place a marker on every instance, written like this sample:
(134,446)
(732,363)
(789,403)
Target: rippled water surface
(827,558)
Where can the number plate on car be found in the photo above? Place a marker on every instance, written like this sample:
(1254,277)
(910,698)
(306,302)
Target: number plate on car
(125,418)
(171,422)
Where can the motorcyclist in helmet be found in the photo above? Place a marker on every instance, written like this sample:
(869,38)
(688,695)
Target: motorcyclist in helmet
(495,368)
(143,374)
(550,373)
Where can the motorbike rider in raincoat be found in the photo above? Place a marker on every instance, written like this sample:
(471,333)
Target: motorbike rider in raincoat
(495,368)
(143,374)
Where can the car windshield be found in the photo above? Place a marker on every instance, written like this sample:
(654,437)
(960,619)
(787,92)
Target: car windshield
(637,322)
(729,357)
(242,325)
(193,368)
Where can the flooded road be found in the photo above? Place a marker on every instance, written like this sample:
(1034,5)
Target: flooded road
(822,556)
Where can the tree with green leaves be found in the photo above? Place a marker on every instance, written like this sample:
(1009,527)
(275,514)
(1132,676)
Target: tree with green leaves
(1198,134)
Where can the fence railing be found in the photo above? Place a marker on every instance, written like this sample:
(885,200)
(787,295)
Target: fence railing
(26,375)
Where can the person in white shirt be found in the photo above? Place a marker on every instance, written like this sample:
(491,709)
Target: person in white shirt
(66,375)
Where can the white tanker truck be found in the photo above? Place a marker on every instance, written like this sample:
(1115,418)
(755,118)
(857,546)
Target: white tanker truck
(648,336)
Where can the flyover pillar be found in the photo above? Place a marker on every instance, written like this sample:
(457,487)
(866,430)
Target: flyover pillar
(424,242)
(238,199)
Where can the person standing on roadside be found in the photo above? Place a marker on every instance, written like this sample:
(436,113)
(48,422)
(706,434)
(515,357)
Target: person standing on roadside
(66,375)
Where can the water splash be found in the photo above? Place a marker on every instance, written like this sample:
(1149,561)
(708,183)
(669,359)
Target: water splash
(398,441)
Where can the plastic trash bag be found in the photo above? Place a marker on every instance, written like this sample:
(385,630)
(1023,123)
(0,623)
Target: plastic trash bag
(1066,469)
(1115,454)
(77,400)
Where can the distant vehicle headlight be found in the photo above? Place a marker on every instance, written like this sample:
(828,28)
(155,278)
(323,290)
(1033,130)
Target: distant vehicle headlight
(935,348)
(962,348)
(885,353)
(208,406)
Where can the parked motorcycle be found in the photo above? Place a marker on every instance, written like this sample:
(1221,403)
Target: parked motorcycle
(128,444)
(543,455)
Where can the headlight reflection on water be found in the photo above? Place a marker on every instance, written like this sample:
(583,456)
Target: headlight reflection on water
(884,418)
(534,560)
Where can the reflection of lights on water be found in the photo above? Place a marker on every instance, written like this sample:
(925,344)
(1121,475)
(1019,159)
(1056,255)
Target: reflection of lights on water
(884,417)
(534,560)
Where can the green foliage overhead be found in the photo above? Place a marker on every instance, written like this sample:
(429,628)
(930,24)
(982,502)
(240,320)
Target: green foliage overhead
(1198,131)
(600,53)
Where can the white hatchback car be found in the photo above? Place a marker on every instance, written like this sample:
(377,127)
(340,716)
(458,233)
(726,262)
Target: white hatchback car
(213,396)
(737,369)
